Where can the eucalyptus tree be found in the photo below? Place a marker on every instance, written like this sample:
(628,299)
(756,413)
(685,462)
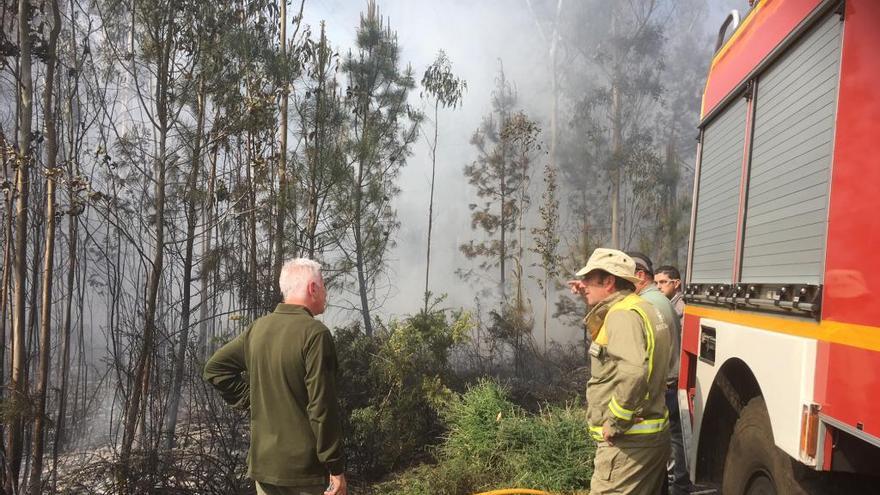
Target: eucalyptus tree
(382,128)
(23,160)
(446,90)
(52,173)
(160,50)
(621,61)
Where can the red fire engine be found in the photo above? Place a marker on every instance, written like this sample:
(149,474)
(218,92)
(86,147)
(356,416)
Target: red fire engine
(781,335)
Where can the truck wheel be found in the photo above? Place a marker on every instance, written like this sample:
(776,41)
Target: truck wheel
(754,465)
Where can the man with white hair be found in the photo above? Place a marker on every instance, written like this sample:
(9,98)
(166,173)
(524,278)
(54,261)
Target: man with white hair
(283,369)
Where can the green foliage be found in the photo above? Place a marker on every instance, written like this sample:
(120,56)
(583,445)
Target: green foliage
(392,385)
(492,443)
(441,84)
(382,128)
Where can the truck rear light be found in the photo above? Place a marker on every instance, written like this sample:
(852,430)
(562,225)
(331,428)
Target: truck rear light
(809,431)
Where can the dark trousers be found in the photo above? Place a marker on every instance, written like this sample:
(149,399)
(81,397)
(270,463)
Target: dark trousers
(679,473)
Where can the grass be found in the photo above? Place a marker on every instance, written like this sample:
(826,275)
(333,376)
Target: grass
(493,444)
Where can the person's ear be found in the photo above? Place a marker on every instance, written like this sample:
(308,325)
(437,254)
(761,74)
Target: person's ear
(609,282)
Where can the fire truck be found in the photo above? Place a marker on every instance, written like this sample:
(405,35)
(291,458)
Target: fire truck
(781,335)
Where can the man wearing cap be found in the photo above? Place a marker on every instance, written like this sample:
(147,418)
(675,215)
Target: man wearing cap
(629,360)
(649,291)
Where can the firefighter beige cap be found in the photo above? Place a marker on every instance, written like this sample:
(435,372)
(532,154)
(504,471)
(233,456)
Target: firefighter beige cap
(612,261)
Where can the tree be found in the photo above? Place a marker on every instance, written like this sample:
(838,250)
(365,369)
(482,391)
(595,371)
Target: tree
(497,181)
(442,86)
(546,239)
(624,56)
(282,154)
(52,173)
(323,123)
(383,127)
(18,383)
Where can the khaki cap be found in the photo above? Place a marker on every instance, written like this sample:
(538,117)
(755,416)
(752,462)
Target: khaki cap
(612,261)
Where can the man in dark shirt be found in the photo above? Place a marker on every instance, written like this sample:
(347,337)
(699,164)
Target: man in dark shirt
(283,369)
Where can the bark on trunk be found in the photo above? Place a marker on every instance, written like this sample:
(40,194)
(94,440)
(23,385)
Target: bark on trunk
(180,361)
(17,380)
(142,369)
(49,255)
(282,162)
(431,202)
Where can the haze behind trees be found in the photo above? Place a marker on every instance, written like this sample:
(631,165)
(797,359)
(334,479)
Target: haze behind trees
(162,158)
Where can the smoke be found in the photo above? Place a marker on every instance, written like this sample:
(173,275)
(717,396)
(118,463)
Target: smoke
(478,37)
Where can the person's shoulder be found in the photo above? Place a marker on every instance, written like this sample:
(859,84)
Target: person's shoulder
(620,317)
(315,327)
(654,296)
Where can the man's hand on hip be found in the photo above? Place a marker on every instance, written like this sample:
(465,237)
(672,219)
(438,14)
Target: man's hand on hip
(338,485)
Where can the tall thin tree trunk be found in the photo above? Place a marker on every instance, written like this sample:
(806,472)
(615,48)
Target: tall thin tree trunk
(431,201)
(49,256)
(204,272)
(180,362)
(616,143)
(73,238)
(282,161)
(315,158)
(142,369)
(616,149)
(359,254)
(6,155)
(17,384)
(253,269)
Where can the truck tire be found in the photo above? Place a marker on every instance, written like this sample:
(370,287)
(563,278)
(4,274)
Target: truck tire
(754,465)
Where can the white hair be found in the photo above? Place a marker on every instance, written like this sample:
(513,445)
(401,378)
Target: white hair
(296,275)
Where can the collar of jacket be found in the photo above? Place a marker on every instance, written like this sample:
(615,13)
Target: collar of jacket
(292,309)
(596,317)
(649,288)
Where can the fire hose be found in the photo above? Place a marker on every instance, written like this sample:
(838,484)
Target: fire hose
(515,491)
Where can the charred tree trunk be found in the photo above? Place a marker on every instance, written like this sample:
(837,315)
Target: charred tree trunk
(142,368)
(205,269)
(180,361)
(73,238)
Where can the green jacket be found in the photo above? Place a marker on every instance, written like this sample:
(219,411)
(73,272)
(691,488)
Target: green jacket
(629,360)
(653,295)
(283,368)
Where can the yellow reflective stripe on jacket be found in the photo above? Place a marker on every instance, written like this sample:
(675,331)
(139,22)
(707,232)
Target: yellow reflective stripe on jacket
(620,411)
(645,427)
(631,302)
(649,338)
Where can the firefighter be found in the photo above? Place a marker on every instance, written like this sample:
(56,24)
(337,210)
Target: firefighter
(629,361)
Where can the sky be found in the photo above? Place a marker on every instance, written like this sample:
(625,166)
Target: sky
(478,36)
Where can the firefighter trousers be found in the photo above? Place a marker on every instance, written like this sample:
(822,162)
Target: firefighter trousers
(624,468)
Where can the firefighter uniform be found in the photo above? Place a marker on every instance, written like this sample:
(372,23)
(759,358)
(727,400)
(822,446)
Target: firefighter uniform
(629,359)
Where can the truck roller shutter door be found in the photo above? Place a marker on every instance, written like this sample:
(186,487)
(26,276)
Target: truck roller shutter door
(786,213)
(718,197)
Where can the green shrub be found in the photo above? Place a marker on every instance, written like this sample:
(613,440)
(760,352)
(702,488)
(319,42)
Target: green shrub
(491,443)
(391,386)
